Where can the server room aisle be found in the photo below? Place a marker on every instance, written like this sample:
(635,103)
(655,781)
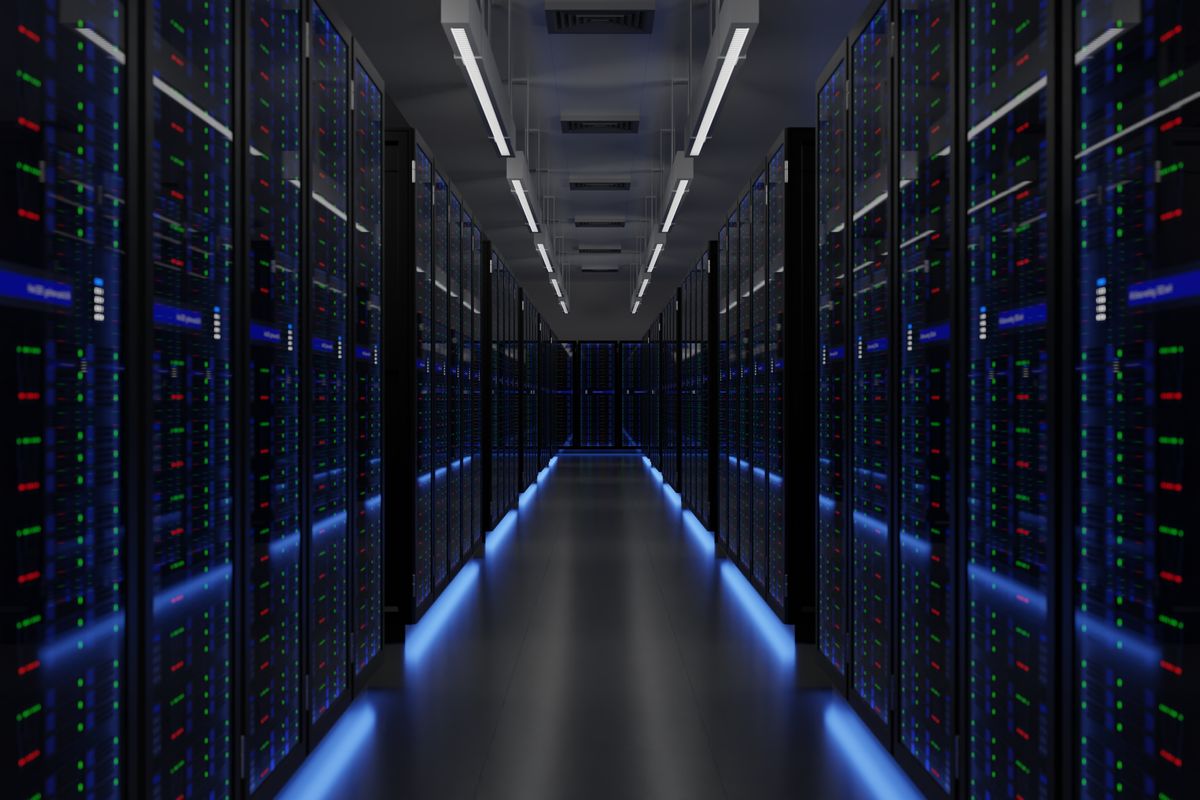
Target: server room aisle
(599,650)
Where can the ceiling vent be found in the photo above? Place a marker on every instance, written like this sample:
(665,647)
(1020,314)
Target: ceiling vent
(599,184)
(599,269)
(599,123)
(598,222)
(599,249)
(591,16)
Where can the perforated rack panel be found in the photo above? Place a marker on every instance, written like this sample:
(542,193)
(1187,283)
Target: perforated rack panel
(62,300)
(274,584)
(870,263)
(926,477)
(1135,184)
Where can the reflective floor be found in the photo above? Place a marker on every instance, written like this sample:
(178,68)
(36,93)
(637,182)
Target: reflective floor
(599,650)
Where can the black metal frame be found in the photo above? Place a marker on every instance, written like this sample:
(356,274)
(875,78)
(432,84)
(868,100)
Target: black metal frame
(839,60)
(314,732)
(800,348)
(884,732)
(712,265)
(360,678)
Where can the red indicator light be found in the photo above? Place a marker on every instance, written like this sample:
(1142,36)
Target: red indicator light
(28,759)
(1171,34)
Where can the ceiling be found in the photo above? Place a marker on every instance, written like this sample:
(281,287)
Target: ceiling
(599,76)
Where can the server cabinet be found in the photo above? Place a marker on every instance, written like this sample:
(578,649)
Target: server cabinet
(1009,524)
(367,183)
(68,414)
(926,477)
(761,330)
(1136,291)
(695,358)
(833,595)
(271,288)
(773,432)
(189,537)
(328,308)
(633,398)
(731,421)
(669,358)
(476,465)
(754,449)
(743,427)
(598,386)
(871,435)
(724,388)
(455,419)
(442,407)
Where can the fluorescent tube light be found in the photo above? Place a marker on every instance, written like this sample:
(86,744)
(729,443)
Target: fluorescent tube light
(564,306)
(679,191)
(541,248)
(645,283)
(520,190)
(554,283)
(736,43)
(654,258)
(636,303)
(467,54)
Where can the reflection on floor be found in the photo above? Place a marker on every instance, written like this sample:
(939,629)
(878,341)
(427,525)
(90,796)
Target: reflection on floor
(599,650)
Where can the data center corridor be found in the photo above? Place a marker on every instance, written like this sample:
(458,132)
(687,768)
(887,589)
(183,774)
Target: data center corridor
(599,649)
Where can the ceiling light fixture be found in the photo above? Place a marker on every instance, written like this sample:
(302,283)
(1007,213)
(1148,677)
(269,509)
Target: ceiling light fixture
(636,303)
(563,303)
(736,23)
(658,248)
(517,172)
(485,100)
(679,178)
(545,254)
(645,283)
(465,27)
(557,291)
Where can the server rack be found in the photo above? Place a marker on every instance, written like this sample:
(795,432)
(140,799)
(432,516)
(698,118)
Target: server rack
(328,282)
(504,387)
(1011,205)
(695,358)
(272,593)
(531,330)
(755,336)
(1132,86)
(598,398)
(175,296)
(434,264)
(633,394)
(367,184)
(188,510)
(68,297)
(930,333)
(832,216)
(871,431)
(1045,400)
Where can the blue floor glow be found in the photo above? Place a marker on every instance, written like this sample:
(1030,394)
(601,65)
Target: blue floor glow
(866,759)
(421,637)
(323,770)
(496,537)
(701,535)
(780,638)
(360,737)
